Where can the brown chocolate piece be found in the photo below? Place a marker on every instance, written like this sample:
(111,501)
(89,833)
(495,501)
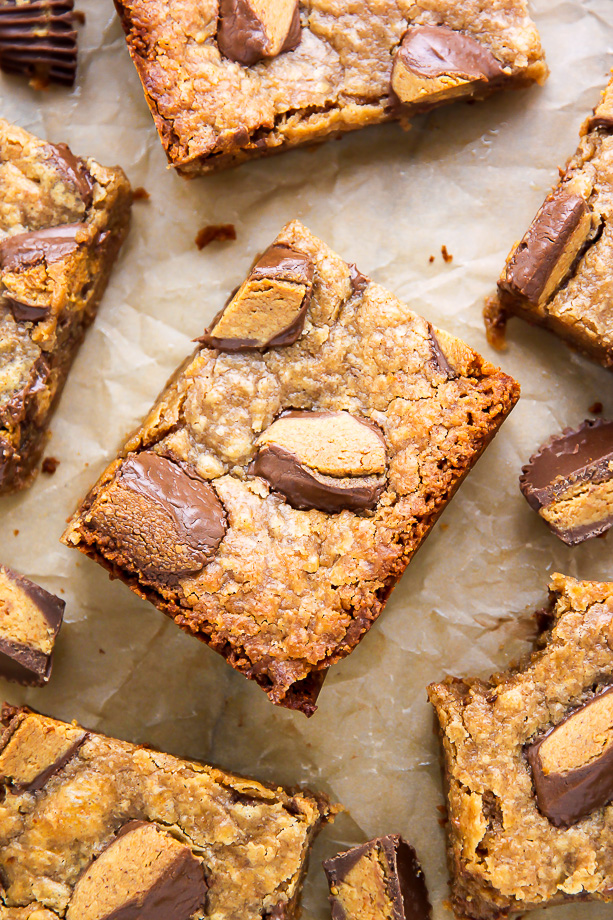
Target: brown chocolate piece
(547,253)
(38,39)
(51,244)
(72,170)
(572,764)
(144,874)
(381,880)
(325,460)
(439,356)
(434,63)
(165,521)
(30,619)
(269,308)
(569,481)
(251,30)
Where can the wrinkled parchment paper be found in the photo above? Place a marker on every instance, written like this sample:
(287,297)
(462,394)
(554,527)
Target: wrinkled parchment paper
(469,177)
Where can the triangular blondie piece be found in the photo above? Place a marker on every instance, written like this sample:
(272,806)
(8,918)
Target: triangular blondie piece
(560,274)
(528,759)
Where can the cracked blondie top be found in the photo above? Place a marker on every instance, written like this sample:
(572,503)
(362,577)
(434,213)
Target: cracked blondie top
(228,80)
(92,828)
(62,223)
(559,275)
(276,492)
(528,759)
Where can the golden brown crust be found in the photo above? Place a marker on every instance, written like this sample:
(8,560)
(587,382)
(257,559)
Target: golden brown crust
(578,310)
(212,112)
(251,840)
(504,854)
(290,591)
(35,356)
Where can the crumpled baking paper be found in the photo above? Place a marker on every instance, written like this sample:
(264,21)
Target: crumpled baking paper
(469,177)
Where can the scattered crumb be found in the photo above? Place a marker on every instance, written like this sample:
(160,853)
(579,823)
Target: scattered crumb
(596,408)
(15,533)
(101,651)
(50,465)
(140,194)
(431,259)
(447,257)
(444,526)
(79,16)
(215,233)
(442,822)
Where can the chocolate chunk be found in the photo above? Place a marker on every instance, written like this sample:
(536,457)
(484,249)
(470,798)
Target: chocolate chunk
(251,30)
(166,521)
(269,309)
(434,63)
(30,619)
(144,874)
(359,282)
(38,40)
(73,170)
(383,876)
(36,751)
(569,481)
(25,312)
(442,362)
(325,460)
(572,764)
(51,244)
(545,256)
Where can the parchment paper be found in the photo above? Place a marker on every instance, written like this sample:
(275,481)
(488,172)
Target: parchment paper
(468,176)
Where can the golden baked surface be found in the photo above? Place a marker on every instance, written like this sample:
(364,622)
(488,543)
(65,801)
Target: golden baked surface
(109,819)
(578,304)
(505,854)
(281,586)
(212,111)
(62,223)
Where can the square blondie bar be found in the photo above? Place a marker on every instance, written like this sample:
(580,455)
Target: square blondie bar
(528,758)
(62,222)
(92,828)
(231,80)
(560,274)
(292,467)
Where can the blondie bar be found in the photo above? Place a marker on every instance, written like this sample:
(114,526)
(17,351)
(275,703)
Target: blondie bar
(231,80)
(92,828)
(528,761)
(559,275)
(380,880)
(62,223)
(30,619)
(292,467)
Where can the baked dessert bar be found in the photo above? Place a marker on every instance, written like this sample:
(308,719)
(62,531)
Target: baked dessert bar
(30,619)
(559,275)
(528,766)
(38,39)
(381,880)
(569,481)
(231,80)
(292,467)
(92,828)
(62,222)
